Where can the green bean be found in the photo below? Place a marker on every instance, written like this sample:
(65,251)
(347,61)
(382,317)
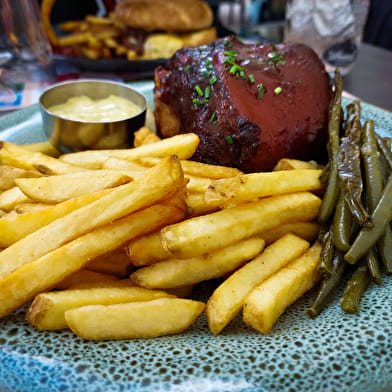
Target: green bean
(332,191)
(386,152)
(384,246)
(373,266)
(342,224)
(374,186)
(325,173)
(355,287)
(349,166)
(328,285)
(326,254)
(381,217)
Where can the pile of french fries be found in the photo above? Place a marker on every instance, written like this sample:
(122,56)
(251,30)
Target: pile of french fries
(110,243)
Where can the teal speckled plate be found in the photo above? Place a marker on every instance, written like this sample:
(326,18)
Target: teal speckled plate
(334,352)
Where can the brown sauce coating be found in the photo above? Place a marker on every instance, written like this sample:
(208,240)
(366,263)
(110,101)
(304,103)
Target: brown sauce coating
(250,104)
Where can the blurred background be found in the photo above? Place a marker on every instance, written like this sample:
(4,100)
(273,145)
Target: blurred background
(263,19)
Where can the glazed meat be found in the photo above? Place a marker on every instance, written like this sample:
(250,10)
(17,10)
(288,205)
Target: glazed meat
(250,104)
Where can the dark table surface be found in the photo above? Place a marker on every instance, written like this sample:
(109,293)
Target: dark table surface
(371,77)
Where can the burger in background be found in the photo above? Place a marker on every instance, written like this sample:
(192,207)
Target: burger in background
(133,29)
(158,28)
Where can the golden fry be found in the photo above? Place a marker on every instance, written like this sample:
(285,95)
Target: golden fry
(13,155)
(145,136)
(181,272)
(206,233)
(84,276)
(147,250)
(183,146)
(115,263)
(44,273)
(47,310)
(160,183)
(295,164)
(14,228)
(254,186)
(55,189)
(226,301)
(10,198)
(268,301)
(306,230)
(164,316)
(8,175)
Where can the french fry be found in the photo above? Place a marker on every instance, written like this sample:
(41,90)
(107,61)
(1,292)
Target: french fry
(183,146)
(103,284)
(145,135)
(267,302)
(194,168)
(113,163)
(306,230)
(164,316)
(197,184)
(8,174)
(295,164)
(226,301)
(44,273)
(58,188)
(254,186)
(11,198)
(206,233)
(180,272)
(115,263)
(44,148)
(47,310)
(84,276)
(198,206)
(14,228)
(147,250)
(17,156)
(161,182)
(25,208)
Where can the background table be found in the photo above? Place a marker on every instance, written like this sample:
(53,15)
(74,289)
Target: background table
(371,77)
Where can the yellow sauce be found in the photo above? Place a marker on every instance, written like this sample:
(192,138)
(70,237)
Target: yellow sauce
(83,108)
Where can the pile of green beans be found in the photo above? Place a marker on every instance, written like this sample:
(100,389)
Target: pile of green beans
(356,211)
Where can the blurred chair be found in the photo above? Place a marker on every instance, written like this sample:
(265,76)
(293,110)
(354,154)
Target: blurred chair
(378,28)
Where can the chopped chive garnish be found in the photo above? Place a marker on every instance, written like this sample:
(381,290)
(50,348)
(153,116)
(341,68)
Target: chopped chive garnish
(261,91)
(251,78)
(213,80)
(199,91)
(281,62)
(207,92)
(271,62)
(242,74)
(278,90)
(271,55)
(230,53)
(207,74)
(205,100)
(214,118)
(188,67)
(196,102)
(229,139)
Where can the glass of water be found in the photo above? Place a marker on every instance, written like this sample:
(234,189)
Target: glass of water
(332,28)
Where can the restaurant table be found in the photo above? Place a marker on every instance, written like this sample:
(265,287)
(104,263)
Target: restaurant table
(371,77)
